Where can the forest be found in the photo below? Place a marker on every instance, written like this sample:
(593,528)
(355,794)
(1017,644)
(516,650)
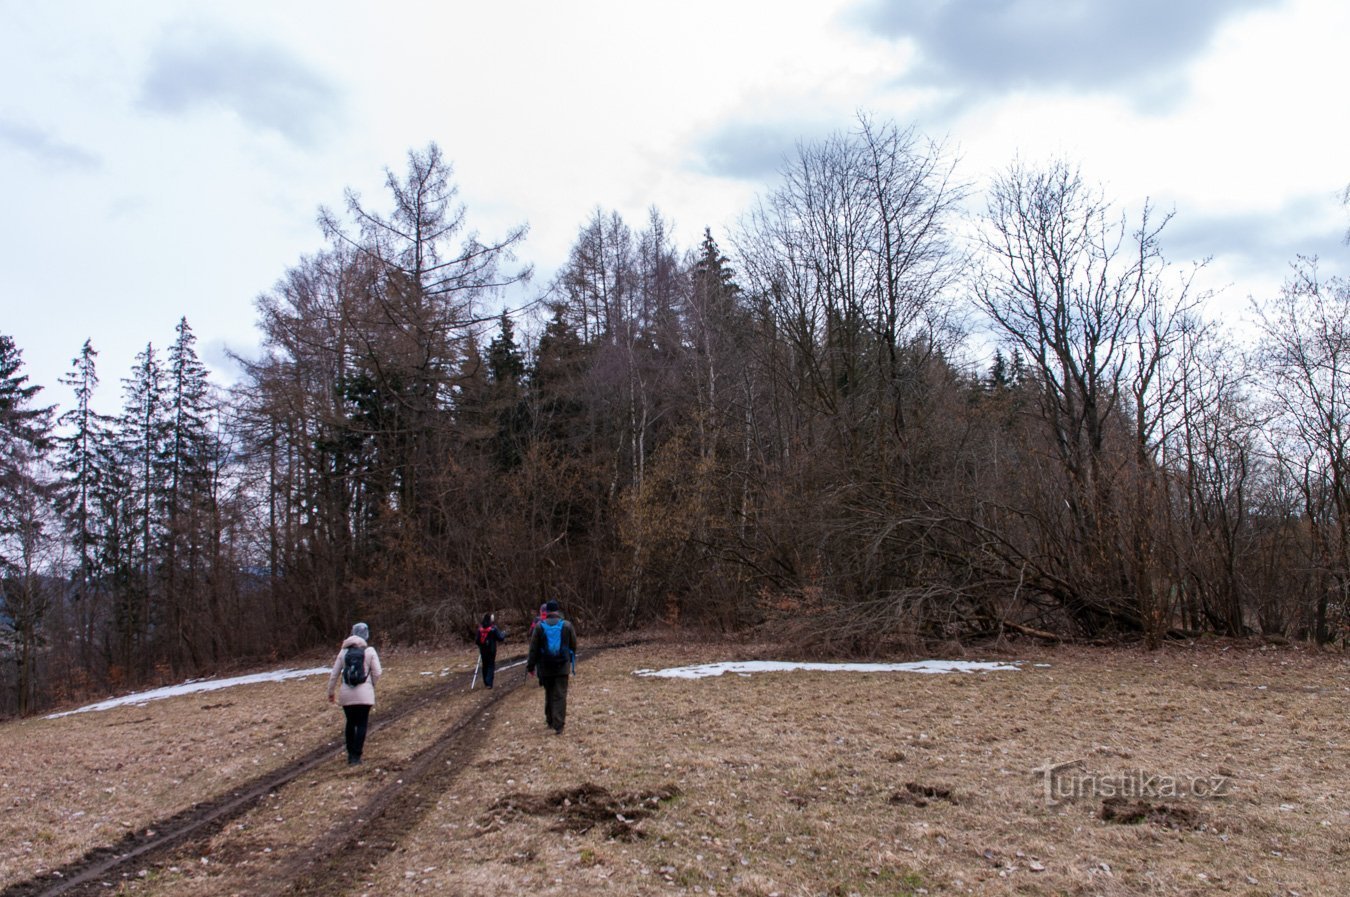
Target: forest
(868,421)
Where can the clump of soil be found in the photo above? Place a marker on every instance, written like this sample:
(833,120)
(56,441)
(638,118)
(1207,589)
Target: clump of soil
(917,795)
(584,807)
(1132,812)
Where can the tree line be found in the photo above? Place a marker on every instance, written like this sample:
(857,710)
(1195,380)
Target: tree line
(785,432)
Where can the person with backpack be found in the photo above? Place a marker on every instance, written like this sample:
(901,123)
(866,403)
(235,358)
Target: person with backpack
(534,624)
(489,634)
(553,653)
(356,670)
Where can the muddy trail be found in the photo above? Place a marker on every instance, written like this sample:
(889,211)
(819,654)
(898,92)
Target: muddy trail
(325,865)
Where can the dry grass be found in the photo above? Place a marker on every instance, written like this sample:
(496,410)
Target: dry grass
(788,784)
(71,784)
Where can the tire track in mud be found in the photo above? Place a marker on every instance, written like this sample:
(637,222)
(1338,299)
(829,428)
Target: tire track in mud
(333,865)
(89,873)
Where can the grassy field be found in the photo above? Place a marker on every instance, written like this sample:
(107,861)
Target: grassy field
(1192,770)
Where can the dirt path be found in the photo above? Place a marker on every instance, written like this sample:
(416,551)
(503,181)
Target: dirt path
(808,783)
(321,865)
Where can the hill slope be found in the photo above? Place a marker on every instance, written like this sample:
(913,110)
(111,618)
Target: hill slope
(775,783)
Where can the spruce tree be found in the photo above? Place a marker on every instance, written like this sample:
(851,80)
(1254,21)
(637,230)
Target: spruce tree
(506,370)
(81,454)
(188,492)
(25,505)
(142,431)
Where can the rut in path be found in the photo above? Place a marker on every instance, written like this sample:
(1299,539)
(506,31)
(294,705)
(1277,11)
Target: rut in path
(331,865)
(91,873)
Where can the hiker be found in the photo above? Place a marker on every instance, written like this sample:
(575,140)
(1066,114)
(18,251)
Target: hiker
(357,668)
(489,634)
(534,624)
(553,652)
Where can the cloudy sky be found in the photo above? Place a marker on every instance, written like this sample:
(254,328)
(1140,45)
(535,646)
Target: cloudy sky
(162,159)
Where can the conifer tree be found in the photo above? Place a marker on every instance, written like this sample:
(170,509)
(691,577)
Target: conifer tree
(142,434)
(188,489)
(25,515)
(506,372)
(81,455)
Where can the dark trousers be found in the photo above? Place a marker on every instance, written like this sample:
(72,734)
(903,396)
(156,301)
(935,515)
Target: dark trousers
(489,664)
(358,718)
(555,701)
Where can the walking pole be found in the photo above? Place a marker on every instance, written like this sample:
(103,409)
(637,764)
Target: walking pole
(473,681)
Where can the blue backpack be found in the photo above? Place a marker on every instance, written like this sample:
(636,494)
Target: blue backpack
(553,643)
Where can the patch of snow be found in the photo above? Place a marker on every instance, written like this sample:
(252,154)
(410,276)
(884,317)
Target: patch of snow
(746,667)
(192,686)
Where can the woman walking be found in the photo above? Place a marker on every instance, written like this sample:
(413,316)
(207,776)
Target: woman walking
(489,634)
(351,686)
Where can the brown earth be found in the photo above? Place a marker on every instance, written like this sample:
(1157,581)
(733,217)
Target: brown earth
(1218,768)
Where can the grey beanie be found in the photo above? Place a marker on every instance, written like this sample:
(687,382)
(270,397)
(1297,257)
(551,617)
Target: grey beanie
(361,631)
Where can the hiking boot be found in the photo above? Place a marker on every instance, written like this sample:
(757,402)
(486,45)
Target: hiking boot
(353,761)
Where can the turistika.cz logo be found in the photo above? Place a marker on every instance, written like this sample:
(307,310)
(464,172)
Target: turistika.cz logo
(1072,780)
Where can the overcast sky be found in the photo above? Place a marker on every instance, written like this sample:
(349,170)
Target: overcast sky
(162,159)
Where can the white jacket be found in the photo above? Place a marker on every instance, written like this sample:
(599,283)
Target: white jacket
(355,694)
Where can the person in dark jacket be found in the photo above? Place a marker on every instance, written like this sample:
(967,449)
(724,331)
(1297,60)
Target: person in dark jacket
(553,669)
(534,624)
(489,634)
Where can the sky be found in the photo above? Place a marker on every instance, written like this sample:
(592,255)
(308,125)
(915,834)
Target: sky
(166,159)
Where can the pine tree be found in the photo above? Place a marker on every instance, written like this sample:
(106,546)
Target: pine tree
(718,327)
(81,455)
(25,506)
(505,362)
(22,428)
(998,372)
(188,493)
(142,434)
(506,372)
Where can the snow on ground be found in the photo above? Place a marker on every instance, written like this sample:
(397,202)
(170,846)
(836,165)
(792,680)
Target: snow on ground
(195,685)
(746,667)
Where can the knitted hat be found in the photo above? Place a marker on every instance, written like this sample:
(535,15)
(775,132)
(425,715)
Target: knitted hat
(361,631)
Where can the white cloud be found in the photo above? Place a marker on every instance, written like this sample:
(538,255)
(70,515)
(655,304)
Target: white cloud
(159,164)
(196,67)
(46,148)
(1018,44)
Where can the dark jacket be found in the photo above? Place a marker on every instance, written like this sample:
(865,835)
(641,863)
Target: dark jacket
(549,667)
(488,646)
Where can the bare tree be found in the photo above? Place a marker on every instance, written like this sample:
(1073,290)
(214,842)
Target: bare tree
(849,262)
(1081,294)
(1306,354)
(853,255)
(1216,463)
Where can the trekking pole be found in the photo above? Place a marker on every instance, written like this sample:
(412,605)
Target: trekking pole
(474,680)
